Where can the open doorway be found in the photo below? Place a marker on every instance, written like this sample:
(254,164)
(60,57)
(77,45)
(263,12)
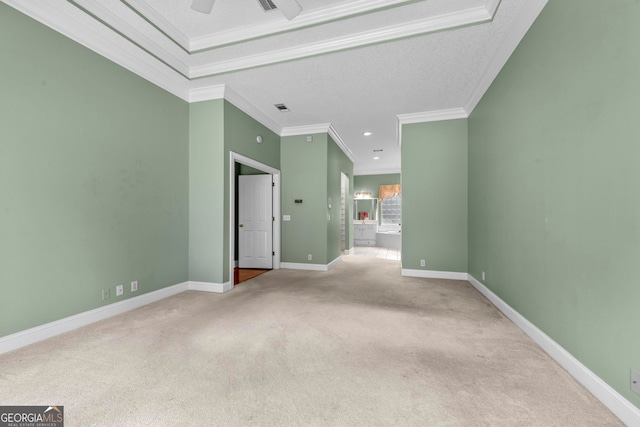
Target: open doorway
(244,166)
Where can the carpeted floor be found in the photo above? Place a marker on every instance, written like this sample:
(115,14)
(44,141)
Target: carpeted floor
(356,346)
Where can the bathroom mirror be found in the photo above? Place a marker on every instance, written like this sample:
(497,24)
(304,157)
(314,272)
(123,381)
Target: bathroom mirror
(365,209)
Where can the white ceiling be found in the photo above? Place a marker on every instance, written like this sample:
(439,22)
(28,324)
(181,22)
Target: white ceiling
(341,66)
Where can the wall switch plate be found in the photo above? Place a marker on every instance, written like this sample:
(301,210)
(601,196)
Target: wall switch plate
(119,290)
(134,286)
(635,381)
(483,276)
(309,257)
(423,263)
(286,217)
(106,294)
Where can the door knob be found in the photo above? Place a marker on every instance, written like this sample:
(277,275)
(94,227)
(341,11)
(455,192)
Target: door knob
(241,225)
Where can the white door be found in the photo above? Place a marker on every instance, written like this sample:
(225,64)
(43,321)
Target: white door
(255,221)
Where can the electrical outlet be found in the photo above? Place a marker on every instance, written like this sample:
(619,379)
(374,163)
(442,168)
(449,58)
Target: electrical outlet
(423,263)
(483,276)
(309,257)
(635,381)
(119,290)
(106,294)
(134,286)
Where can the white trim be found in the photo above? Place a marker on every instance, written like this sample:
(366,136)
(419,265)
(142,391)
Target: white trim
(218,288)
(529,13)
(222,91)
(431,24)
(333,133)
(621,407)
(157,19)
(320,128)
(386,171)
(110,18)
(334,263)
(432,116)
(276,242)
(206,93)
(492,7)
(428,116)
(305,130)
(314,17)
(252,111)
(139,63)
(311,267)
(432,274)
(351,251)
(52,329)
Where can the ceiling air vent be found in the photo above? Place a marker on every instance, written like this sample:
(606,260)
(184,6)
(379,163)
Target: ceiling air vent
(267,5)
(283,108)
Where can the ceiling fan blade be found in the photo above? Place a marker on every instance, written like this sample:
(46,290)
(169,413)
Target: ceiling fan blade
(289,8)
(204,6)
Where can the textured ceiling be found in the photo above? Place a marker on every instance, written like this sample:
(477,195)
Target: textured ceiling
(355,65)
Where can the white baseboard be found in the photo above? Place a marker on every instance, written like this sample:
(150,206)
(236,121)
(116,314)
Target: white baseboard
(219,288)
(621,407)
(310,267)
(48,330)
(350,251)
(334,263)
(431,274)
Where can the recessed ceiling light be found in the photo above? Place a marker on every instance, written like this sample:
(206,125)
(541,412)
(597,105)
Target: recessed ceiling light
(367,133)
(376,158)
(283,108)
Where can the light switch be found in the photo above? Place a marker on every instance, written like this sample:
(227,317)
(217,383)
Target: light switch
(286,217)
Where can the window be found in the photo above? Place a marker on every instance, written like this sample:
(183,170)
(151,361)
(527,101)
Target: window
(391,210)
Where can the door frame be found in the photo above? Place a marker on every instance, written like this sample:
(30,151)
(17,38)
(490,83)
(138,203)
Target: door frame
(239,158)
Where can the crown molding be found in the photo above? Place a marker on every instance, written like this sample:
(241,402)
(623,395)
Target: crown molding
(140,63)
(383,171)
(307,19)
(222,91)
(251,110)
(249,32)
(513,38)
(432,116)
(320,128)
(166,70)
(156,20)
(333,133)
(447,21)
(305,130)
(116,24)
(428,116)
(206,93)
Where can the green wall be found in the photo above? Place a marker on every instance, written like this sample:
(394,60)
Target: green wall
(338,163)
(434,195)
(93,178)
(554,204)
(304,176)
(311,172)
(206,191)
(372,183)
(240,132)
(216,128)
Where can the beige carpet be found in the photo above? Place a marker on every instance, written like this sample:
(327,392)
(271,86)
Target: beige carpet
(357,346)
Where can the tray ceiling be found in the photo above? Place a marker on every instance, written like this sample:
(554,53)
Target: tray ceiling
(344,66)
